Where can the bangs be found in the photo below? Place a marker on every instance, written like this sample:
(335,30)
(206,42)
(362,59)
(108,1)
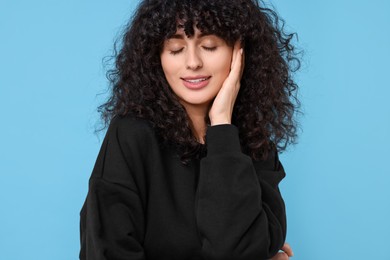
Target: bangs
(209,17)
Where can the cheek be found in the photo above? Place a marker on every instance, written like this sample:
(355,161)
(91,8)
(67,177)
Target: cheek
(169,66)
(171,70)
(223,63)
(165,64)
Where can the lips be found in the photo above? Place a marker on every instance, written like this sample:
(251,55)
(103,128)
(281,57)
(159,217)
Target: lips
(196,82)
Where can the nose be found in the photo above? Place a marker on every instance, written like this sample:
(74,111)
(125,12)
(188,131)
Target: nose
(193,60)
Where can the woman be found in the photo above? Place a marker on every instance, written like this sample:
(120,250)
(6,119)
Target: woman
(202,100)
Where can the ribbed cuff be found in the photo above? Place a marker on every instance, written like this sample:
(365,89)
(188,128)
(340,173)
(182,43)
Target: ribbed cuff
(222,139)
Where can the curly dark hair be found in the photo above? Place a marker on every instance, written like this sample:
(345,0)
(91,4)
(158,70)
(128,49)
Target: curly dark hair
(267,102)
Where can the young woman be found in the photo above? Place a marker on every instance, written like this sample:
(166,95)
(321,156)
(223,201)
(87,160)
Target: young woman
(202,101)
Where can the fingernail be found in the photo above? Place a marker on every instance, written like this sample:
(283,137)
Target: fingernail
(241,50)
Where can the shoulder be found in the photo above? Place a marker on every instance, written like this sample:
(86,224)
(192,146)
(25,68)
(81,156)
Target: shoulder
(271,162)
(271,169)
(130,129)
(132,134)
(131,125)
(124,151)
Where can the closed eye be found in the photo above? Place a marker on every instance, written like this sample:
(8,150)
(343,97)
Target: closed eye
(174,52)
(209,48)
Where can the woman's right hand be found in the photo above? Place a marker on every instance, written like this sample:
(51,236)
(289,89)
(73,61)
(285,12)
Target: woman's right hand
(285,255)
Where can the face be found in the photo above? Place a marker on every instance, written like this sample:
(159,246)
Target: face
(196,67)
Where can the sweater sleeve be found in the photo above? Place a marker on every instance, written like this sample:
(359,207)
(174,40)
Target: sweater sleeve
(112,217)
(239,210)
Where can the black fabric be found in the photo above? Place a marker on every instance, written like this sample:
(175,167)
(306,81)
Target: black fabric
(143,203)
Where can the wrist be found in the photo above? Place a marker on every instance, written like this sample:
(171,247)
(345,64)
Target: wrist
(220,121)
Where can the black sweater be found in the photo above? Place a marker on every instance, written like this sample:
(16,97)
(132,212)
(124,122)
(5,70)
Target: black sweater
(143,203)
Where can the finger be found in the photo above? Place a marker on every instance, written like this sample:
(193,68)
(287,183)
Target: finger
(242,62)
(287,249)
(237,63)
(235,56)
(280,256)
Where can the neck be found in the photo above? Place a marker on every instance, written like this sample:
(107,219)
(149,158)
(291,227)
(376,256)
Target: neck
(197,115)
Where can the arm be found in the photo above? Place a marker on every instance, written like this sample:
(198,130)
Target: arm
(239,214)
(111,225)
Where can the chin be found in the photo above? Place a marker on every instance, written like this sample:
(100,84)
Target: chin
(196,102)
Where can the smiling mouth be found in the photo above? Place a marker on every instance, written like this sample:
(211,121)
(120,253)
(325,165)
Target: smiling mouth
(196,83)
(196,80)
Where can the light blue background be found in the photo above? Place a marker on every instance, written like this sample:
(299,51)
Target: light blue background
(337,188)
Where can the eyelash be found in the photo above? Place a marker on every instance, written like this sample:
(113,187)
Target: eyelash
(176,52)
(209,48)
(205,48)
